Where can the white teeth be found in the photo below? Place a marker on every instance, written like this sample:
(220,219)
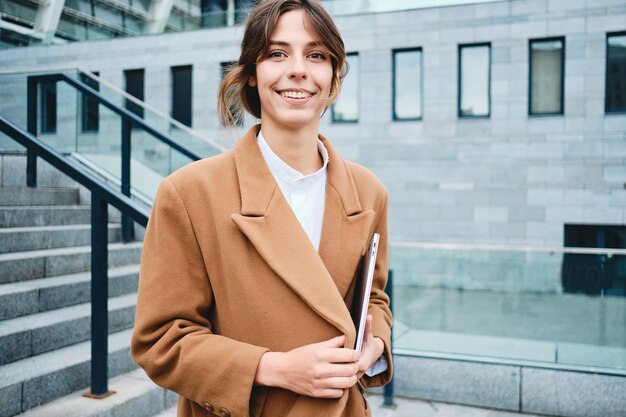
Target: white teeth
(295,94)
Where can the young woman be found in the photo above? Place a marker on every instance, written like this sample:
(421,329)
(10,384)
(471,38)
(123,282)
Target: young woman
(249,257)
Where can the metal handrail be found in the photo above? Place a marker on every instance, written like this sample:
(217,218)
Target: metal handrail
(102,194)
(506,248)
(129,120)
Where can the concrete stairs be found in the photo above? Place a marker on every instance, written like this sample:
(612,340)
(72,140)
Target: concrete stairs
(45,310)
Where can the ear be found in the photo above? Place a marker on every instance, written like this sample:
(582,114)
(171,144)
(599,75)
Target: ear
(252,81)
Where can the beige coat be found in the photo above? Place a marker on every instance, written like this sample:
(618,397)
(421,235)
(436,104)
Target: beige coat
(228,273)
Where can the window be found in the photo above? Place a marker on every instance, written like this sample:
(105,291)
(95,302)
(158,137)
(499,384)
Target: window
(615,96)
(135,87)
(90,108)
(49,107)
(346,107)
(594,274)
(545,86)
(182,94)
(407,84)
(474,80)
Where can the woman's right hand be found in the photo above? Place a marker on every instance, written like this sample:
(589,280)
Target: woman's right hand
(321,370)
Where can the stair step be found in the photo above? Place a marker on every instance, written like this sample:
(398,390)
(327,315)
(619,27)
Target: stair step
(23,216)
(30,335)
(18,266)
(43,294)
(30,382)
(17,239)
(170,412)
(25,196)
(135,395)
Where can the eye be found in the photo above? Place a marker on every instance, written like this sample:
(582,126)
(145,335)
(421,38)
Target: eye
(318,56)
(276,54)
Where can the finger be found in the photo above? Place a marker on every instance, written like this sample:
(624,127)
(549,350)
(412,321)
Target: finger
(339,370)
(335,342)
(339,382)
(328,393)
(368,325)
(339,355)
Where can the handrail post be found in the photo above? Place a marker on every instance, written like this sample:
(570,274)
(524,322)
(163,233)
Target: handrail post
(127,223)
(31,126)
(99,297)
(388,390)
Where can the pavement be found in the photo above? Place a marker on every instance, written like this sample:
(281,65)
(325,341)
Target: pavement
(417,408)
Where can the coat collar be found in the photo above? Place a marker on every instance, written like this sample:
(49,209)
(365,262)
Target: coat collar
(321,279)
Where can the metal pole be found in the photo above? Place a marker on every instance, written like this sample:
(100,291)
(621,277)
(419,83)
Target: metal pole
(127,223)
(31,126)
(388,390)
(99,297)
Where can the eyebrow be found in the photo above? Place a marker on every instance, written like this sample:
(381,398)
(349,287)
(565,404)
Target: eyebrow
(283,43)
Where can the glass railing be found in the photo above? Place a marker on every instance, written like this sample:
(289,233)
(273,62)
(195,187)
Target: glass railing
(76,124)
(552,306)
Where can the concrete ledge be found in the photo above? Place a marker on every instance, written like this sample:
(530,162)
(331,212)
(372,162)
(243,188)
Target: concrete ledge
(520,388)
(573,394)
(481,384)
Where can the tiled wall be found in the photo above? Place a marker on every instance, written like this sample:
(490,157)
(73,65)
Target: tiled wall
(510,178)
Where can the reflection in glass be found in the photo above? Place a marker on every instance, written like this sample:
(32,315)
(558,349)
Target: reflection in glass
(407,84)
(546,77)
(616,73)
(346,107)
(474,62)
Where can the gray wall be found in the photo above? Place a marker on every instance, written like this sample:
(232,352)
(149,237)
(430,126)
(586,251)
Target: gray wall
(510,178)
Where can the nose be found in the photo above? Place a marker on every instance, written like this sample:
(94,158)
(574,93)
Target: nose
(298,70)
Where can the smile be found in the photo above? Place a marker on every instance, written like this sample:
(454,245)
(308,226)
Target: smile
(295,94)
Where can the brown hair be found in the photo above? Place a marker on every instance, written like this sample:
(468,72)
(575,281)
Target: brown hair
(235,95)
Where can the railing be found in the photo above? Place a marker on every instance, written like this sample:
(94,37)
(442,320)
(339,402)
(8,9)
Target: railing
(102,194)
(129,121)
(547,307)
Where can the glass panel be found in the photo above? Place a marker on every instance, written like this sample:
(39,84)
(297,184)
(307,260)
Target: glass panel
(616,73)
(509,303)
(13,88)
(546,89)
(407,84)
(346,107)
(474,72)
(151,159)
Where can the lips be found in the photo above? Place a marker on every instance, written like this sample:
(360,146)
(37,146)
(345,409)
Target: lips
(298,94)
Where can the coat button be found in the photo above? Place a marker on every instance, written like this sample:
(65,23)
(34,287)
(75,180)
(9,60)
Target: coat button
(207,407)
(224,412)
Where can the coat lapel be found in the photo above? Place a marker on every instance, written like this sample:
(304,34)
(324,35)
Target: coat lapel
(320,280)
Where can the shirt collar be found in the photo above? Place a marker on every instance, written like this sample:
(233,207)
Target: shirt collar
(283,171)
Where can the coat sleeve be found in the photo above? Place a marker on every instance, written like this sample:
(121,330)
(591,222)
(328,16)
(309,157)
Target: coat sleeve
(173,339)
(379,301)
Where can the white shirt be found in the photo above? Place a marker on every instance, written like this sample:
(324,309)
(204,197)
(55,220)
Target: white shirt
(306,195)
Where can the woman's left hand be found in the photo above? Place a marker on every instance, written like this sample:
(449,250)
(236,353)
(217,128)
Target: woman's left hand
(373,347)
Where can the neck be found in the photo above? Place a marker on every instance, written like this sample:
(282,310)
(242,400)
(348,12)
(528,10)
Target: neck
(297,146)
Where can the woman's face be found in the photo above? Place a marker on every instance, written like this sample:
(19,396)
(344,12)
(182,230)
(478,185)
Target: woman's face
(294,79)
